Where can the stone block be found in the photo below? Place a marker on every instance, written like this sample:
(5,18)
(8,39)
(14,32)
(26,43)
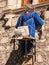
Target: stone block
(2,48)
(4,40)
(39,58)
(3,4)
(9,48)
(21,31)
(46,15)
(11,4)
(46,48)
(2,30)
(14,21)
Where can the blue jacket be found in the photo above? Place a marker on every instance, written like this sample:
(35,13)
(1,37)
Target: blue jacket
(30,20)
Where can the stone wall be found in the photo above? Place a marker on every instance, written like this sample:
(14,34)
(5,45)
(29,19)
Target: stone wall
(8,46)
(3,3)
(42,46)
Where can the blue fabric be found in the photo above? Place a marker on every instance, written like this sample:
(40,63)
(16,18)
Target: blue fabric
(22,45)
(30,20)
(31,26)
(26,19)
(37,19)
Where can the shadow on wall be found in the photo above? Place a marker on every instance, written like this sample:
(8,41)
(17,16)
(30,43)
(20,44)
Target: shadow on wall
(2,18)
(15,58)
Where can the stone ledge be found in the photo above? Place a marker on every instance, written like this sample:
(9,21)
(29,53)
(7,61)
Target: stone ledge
(7,10)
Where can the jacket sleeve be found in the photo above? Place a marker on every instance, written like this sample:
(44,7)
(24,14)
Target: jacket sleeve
(38,18)
(19,22)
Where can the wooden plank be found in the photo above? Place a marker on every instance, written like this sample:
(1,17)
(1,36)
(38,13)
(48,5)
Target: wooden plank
(28,37)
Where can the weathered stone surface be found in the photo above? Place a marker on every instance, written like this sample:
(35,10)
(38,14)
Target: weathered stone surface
(14,21)
(8,50)
(1,23)
(2,3)
(2,30)
(46,14)
(4,40)
(46,48)
(2,48)
(39,58)
(11,4)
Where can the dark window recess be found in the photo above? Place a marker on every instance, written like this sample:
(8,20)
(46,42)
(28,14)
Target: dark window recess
(31,1)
